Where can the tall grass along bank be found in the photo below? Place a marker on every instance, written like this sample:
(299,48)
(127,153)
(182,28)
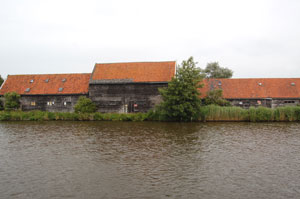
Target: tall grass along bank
(261,114)
(209,113)
(48,116)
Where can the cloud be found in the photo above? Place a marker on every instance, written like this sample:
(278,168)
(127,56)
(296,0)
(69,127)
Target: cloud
(255,38)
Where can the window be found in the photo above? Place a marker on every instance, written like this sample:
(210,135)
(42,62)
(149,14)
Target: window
(289,102)
(67,103)
(64,80)
(60,89)
(27,90)
(293,84)
(50,103)
(46,80)
(31,81)
(32,103)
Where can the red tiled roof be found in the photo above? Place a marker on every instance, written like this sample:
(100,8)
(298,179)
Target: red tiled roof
(74,84)
(135,71)
(254,88)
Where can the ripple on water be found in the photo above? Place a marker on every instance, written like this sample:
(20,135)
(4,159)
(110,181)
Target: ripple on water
(149,160)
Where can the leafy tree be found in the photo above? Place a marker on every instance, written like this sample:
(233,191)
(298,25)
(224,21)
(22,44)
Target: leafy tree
(1,80)
(216,97)
(85,105)
(213,70)
(12,101)
(181,100)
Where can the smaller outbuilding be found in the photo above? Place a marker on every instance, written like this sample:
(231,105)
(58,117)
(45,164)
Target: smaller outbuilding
(267,92)
(49,92)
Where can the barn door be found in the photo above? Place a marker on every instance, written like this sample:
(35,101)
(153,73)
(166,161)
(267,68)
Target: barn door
(131,107)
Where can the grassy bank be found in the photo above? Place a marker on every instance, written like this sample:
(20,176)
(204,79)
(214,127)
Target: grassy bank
(50,116)
(261,114)
(208,113)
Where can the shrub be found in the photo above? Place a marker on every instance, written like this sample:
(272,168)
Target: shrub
(216,97)
(5,116)
(85,105)
(98,116)
(49,116)
(12,101)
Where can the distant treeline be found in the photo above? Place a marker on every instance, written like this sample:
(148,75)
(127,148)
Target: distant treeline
(207,114)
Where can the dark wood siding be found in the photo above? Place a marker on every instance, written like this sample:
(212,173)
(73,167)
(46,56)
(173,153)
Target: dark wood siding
(270,103)
(52,103)
(122,98)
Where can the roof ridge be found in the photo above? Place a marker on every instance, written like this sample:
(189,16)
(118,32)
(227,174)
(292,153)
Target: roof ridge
(254,78)
(135,62)
(52,74)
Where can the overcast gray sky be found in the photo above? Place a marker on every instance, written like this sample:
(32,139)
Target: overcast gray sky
(255,38)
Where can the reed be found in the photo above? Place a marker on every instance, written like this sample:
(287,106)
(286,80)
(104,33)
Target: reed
(207,113)
(218,113)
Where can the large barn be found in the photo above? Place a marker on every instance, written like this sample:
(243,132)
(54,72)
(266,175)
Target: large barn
(55,92)
(129,87)
(268,92)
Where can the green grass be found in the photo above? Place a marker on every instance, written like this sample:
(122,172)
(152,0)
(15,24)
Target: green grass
(218,113)
(260,114)
(48,116)
(207,113)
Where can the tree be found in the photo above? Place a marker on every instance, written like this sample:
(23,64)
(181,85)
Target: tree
(12,101)
(213,70)
(216,97)
(85,105)
(1,80)
(181,100)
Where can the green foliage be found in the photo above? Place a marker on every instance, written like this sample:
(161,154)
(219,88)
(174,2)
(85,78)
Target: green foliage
(1,104)
(206,113)
(218,113)
(12,101)
(213,70)
(84,105)
(264,114)
(65,116)
(181,100)
(297,113)
(1,80)
(5,116)
(216,97)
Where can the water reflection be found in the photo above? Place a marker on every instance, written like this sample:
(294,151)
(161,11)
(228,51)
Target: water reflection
(149,160)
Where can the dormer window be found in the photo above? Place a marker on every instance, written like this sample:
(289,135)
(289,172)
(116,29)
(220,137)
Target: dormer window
(260,84)
(60,89)
(293,84)
(27,90)
(31,81)
(46,80)
(64,80)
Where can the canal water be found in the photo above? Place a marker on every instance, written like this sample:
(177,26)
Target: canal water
(149,160)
